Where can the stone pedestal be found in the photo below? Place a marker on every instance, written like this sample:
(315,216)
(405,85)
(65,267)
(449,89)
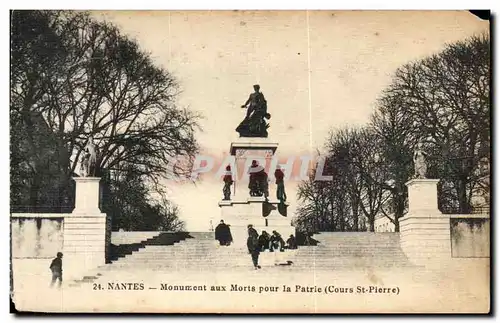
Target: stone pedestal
(245,151)
(424,230)
(85,230)
(422,196)
(243,209)
(87,195)
(239,214)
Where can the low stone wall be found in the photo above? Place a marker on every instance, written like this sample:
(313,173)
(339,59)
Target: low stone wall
(429,237)
(470,236)
(433,238)
(37,235)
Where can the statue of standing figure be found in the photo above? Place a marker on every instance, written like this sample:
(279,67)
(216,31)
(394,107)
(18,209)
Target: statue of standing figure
(280,184)
(89,159)
(254,124)
(228,181)
(420,161)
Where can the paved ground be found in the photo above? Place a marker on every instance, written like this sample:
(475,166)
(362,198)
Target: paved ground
(458,286)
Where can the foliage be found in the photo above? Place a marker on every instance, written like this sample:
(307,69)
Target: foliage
(73,77)
(443,101)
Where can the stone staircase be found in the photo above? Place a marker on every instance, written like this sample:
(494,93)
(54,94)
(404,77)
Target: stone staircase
(198,251)
(126,244)
(353,250)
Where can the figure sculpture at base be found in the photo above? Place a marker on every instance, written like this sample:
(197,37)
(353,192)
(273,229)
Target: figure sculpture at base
(258,180)
(228,181)
(280,185)
(267,208)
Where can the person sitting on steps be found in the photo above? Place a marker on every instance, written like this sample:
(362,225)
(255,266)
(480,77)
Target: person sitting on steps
(276,242)
(291,242)
(264,241)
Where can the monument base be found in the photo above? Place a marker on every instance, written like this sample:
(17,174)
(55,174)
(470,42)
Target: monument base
(238,214)
(84,243)
(424,230)
(86,230)
(425,239)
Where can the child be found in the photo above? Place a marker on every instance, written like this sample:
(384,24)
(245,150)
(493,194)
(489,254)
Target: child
(56,268)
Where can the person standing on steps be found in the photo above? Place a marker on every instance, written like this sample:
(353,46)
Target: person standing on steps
(253,246)
(223,234)
(56,268)
(251,228)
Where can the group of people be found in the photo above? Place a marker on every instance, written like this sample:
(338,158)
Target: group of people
(275,242)
(257,244)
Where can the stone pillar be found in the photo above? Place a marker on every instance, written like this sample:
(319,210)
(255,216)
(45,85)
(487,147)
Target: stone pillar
(423,196)
(259,149)
(85,230)
(87,195)
(424,230)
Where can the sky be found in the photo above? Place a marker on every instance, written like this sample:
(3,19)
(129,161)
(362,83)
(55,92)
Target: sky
(319,71)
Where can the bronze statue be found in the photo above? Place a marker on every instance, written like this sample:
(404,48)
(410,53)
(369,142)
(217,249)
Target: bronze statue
(280,184)
(228,181)
(254,124)
(258,183)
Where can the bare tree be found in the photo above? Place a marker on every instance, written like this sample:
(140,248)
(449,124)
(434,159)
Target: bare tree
(96,82)
(447,99)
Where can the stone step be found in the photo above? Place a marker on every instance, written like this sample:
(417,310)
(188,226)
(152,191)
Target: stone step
(222,267)
(245,259)
(357,241)
(325,251)
(219,256)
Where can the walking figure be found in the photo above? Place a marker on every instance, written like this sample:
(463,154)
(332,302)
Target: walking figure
(253,246)
(56,268)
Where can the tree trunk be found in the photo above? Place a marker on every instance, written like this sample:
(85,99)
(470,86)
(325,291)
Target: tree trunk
(398,212)
(464,207)
(396,223)
(34,190)
(371,219)
(355,215)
